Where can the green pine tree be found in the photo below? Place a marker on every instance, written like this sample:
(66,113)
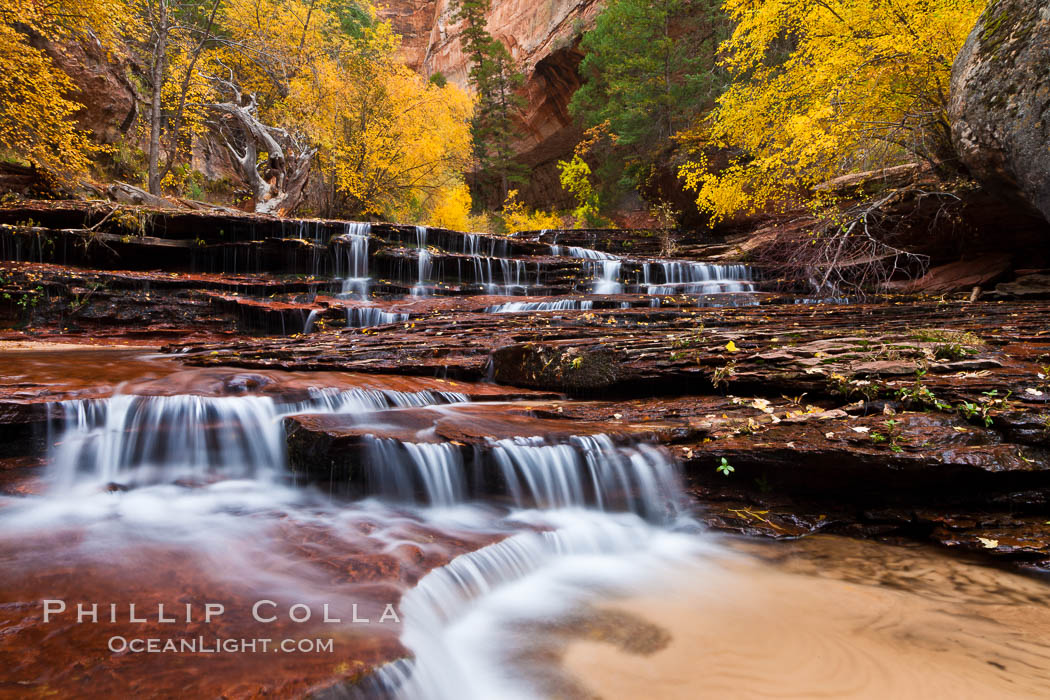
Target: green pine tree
(649,71)
(496,80)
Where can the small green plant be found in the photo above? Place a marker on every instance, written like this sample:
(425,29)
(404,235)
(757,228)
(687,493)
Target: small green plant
(950,345)
(724,467)
(892,435)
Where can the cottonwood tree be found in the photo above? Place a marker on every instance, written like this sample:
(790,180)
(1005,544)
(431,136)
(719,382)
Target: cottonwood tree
(864,85)
(38,104)
(172,38)
(386,142)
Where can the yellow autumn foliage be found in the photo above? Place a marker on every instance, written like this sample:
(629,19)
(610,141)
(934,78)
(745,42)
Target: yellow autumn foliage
(827,87)
(37,100)
(518,217)
(390,144)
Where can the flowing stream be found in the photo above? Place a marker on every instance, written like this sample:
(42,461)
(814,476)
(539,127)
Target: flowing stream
(517,566)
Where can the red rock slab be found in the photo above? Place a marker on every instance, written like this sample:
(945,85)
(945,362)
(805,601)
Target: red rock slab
(65,658)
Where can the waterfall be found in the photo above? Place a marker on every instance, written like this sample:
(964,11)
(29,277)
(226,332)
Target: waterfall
(431,473)
(510,280)
(514,307)
(135,440)
(311,319)
(589,254)
(150,439)
(369,400)
(585,471)
(463,620)
(352,259)
(368,316)
(589,470)
(425,264)
(607,277)
(702,278)
(471,244)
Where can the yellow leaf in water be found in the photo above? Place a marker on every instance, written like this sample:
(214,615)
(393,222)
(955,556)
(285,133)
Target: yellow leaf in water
(987,543)
(731,346)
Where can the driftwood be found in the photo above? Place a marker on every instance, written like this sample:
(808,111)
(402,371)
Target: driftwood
(129,194)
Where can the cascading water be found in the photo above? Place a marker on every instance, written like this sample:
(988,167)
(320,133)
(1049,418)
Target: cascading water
(589,471)
(700,278)
(607,277)
(415,472)
(425,263)
(586,471)
(311,321)
(588,253)
(463,621)
(133,440)
(352,259)
(500,276)
(369,316)
(515,307)
(149,439)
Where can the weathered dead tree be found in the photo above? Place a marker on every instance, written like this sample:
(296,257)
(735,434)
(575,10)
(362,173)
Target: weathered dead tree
(277,182)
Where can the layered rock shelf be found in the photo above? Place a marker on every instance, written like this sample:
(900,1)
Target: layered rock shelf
(895,417)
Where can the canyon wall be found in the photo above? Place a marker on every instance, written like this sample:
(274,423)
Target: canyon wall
(543,38)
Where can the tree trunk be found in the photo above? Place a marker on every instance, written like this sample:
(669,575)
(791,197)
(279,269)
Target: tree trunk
(159,68)
(279,190)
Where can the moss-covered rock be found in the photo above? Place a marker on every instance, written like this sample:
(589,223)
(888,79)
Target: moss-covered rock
(556,367)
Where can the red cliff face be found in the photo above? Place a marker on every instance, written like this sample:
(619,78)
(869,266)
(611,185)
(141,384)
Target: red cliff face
(542,37)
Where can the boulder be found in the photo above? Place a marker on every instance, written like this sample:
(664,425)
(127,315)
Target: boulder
(1000,101)
(962,275)
(1034,286)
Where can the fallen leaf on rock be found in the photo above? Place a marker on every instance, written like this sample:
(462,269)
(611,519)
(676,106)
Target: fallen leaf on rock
(987,543)
(860,429)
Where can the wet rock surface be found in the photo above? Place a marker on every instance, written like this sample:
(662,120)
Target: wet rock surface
(912,417)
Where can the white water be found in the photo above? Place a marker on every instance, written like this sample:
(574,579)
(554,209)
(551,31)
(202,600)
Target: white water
(352,259)
(699,278)
(463,621)
(500,276)
(605,528)
(410,472)
(589,471)
(607,277)
(368,316)
(515,307)
(586,253)
(135,440)
(311,320)
(425,263)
